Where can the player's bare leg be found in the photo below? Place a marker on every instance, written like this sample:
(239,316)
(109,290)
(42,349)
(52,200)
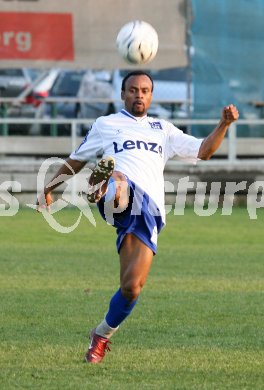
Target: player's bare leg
(117,196)
(135,262)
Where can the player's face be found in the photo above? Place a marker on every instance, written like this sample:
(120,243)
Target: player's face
(137,95)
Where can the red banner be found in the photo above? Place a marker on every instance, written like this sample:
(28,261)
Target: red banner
(36,36)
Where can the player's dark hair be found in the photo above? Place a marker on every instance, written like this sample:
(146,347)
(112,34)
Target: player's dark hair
(136,73)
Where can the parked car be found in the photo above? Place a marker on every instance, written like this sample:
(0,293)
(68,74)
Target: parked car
(82,84)
(14,80)
(42,89)
(93,88)
(13,83)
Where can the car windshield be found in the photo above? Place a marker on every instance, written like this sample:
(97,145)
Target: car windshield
(67,84)
(34,73)
(168,74)
(11,72)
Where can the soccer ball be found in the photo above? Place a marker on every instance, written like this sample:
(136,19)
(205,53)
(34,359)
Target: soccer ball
(137,42)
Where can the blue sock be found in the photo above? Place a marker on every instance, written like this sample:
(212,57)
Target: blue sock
(119,309)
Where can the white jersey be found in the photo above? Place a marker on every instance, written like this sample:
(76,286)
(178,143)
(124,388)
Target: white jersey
(140,147)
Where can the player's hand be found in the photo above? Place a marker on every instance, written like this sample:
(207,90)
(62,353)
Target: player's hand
(230,114)
(43,202)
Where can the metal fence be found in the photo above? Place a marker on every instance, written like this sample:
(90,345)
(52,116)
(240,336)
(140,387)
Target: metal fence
(249,148)
(242,155)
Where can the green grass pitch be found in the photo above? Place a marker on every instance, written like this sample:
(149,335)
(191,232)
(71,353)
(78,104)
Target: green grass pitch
(199,322)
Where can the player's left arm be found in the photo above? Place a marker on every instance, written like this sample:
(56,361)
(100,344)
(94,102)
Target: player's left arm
(211,143)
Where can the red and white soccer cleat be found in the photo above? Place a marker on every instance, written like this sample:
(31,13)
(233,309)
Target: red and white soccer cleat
(97,348)
(99,178)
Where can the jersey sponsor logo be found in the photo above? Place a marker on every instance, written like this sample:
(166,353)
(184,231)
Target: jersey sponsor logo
(155,125)
(141,145)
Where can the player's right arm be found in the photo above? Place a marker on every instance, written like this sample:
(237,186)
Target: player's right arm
(68,169)
(88,149)
(65,172)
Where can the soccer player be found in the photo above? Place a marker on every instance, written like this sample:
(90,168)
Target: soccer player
(128,187)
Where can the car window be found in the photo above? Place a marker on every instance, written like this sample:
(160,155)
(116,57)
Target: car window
(11,72)
(34,73)
(168,74)
(67,84)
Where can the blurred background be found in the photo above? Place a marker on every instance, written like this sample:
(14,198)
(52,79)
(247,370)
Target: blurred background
(222,43)
(60,70)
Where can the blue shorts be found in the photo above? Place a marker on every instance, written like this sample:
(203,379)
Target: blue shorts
(141,218)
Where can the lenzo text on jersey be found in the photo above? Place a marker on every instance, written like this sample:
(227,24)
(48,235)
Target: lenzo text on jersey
(138,144)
